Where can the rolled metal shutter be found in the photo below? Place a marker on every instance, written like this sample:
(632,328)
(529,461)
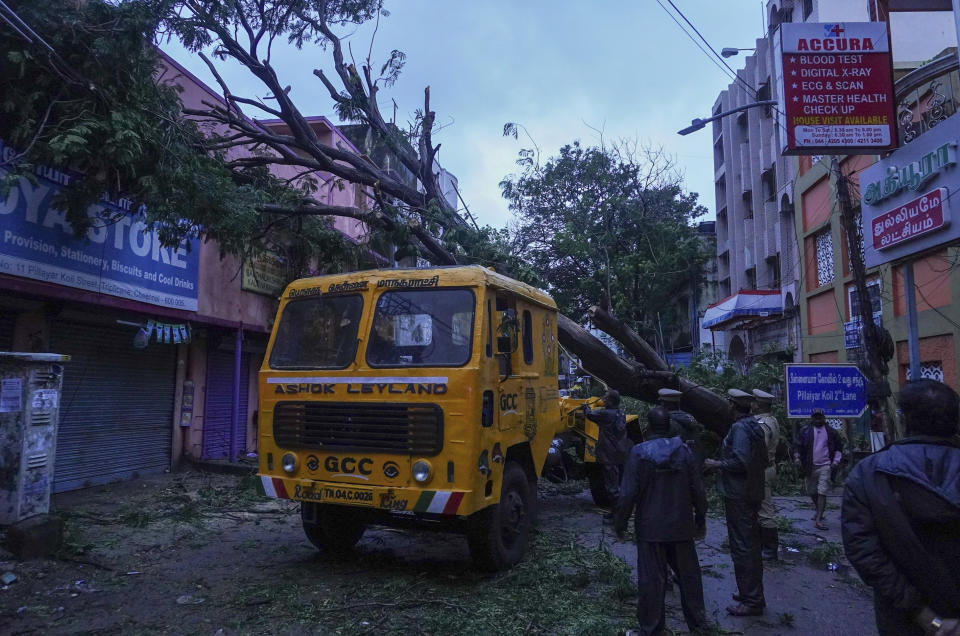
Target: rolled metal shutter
(218,404)
(116,410)
(8,320)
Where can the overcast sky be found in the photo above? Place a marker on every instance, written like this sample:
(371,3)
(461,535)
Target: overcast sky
(560,68)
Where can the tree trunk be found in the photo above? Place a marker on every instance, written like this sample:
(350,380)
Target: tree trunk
(638,381)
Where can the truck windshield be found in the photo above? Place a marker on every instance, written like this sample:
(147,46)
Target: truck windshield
(317,333)
(423,328)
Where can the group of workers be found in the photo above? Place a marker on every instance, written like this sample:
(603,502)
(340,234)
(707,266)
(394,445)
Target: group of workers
(891,542)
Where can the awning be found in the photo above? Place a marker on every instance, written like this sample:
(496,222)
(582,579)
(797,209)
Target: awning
(744,306)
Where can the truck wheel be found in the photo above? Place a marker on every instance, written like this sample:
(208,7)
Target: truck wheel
(598,487)
(498,535)
(330,528)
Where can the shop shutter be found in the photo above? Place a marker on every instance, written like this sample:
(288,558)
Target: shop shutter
(218,404)
(7,321)
(116,411)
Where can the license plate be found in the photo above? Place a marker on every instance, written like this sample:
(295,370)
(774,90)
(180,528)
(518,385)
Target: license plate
(334,494)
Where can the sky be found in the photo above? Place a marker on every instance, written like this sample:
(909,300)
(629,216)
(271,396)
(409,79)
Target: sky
(566,71)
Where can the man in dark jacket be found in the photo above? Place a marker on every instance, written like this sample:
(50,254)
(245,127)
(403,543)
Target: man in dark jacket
(682,424)
(662,481)
(818,450)
(743,458)
(612,444)
(901,518)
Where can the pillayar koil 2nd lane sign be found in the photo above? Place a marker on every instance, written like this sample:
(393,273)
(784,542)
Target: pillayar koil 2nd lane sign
(837,87)
(839,389)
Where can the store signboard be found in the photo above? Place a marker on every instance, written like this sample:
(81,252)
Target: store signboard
(905,197)
(264,273)
(118,256)
(837,88)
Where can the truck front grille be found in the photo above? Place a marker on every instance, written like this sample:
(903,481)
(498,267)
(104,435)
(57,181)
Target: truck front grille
(415,429)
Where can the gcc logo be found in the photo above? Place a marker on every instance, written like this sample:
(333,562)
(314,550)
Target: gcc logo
(391,470)
(347,465)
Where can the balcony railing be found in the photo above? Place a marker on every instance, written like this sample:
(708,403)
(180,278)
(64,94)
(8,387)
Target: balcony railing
(927,96)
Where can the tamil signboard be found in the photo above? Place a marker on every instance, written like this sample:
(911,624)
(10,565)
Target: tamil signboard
(118,255)
(905,197)
(265,273)
(837,87)
(840,390)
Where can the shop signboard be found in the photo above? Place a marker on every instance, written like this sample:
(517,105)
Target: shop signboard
(905,197)
(837,88)
(264,273)
(119,255)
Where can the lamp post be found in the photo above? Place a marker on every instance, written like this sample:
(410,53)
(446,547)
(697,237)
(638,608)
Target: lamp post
(729,51)
(698,124)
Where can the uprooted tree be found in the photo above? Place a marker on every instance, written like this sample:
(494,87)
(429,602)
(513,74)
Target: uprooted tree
(245,32)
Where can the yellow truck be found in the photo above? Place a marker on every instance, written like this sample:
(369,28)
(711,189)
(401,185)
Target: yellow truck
(413,397)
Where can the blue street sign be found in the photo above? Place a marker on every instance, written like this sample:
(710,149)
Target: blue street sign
(839,389)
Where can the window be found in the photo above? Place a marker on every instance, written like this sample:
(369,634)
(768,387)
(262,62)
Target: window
(489,347)
(527,337)
(317,333)
(750,277)
(930,370)
(825,272)
(422,329)
(807,9)
(773,269)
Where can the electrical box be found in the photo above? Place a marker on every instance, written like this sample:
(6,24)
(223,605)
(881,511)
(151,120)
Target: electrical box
(30,390)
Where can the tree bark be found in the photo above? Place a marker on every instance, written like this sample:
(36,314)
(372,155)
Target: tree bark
(637,346)
(635,380)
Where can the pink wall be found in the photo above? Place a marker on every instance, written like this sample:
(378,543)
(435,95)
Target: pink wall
(219,293)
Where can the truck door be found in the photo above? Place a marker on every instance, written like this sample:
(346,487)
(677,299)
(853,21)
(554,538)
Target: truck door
(510,398)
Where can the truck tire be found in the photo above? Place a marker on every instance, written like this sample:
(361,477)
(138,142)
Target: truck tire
(598,487)
(330,528)
(498,534)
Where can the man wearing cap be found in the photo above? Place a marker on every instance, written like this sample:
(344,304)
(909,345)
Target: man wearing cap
(682,424)
(743,458)
(613,445)
(769,535)
(818,449)
(663,487)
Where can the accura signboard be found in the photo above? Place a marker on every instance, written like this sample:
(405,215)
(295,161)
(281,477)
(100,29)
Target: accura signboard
(837,88)
(119,255)
(839,389)
(905,197)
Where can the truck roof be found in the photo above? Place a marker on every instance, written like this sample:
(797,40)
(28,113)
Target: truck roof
(418,278)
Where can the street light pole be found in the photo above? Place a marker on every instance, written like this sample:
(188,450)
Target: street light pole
(698,123)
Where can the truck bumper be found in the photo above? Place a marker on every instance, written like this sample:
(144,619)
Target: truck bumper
(384,498)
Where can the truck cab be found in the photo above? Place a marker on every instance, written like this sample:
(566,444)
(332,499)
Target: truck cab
(411,397)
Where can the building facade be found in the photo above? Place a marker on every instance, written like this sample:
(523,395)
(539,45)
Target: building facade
(165,343)
(771,223)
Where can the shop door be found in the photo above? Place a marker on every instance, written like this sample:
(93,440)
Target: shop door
(8,320)
(218,405)
(116,410)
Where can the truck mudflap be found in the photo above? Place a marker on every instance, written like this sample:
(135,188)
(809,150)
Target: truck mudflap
(441,502)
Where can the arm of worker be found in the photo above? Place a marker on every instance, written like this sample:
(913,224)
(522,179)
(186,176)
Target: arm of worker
(873,563)
(635,477)
(740,445)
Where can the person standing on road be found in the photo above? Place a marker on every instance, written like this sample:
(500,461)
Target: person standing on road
(769,534)
(612,443)
(662,482)
(901,518)
(743,458)
(682,424)
(817,451)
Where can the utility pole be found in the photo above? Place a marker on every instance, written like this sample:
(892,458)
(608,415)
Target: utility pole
(878,388)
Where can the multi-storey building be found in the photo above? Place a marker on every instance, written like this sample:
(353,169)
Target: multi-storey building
(768,237)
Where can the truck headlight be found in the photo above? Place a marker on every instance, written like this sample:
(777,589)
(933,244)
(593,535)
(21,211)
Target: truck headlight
(289,462)
(421,470)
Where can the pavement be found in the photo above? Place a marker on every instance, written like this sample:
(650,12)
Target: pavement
(812,589)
